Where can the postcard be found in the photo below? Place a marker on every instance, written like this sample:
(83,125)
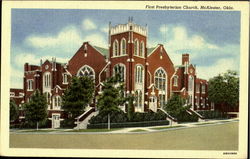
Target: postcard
(118,79)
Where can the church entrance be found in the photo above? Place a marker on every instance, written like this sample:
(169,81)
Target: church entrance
(153,103)
(55,121)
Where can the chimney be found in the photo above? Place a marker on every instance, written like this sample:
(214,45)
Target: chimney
(185,59)
(26,67)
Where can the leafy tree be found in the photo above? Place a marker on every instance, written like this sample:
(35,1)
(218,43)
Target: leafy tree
(36,109)
(224,89)
(175,106)
(111,97)
(78,95)
(13,110)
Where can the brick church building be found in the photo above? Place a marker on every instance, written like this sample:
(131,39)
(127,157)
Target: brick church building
(148,73)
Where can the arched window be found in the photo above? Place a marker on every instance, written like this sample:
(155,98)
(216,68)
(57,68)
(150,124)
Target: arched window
(115,48)
(119,71)
(47,95)
(175,80)
(86,71)
(138,74)
(138,98)
(160,83)
(142,48)
(47,79)
(160,79)
(136,47)
(57,102)
(190,83)
(123,47)
(29,85)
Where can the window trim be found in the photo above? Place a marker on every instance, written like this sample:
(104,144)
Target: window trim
(78,72)
(121,65)
(115,51)
(123,47)
(30,85)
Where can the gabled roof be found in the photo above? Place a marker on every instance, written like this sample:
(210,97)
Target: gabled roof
(150,50)
(103,51)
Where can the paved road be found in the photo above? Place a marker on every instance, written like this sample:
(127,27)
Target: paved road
(222,136)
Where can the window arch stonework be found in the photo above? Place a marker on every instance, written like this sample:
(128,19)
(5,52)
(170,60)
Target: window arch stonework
(86,71)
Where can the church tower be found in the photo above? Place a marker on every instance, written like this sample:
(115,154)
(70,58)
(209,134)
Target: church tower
(128,57)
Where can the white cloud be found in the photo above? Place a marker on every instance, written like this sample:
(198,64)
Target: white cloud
(163,29)
(96,39)
(30,58)
(104,29)
(88,24)
(67,40)
(16,78)
(221,66)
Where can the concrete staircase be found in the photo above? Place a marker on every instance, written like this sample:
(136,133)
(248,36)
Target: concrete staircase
(83,120)
(172,120)
(201,118)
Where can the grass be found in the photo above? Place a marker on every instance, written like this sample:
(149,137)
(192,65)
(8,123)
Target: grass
(167,127)
(95,130)
(38,130)
(212,137)
(138,130)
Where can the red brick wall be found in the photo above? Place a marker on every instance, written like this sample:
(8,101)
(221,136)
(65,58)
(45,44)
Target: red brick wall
(94,59)
(155,62)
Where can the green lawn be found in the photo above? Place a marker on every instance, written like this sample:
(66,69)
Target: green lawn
(212,137)
(39,130)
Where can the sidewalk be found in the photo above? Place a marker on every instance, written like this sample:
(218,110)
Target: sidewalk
(131,130)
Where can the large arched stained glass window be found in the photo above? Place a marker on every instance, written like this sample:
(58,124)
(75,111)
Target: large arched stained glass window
(86,71)
(119,71)
(160,79)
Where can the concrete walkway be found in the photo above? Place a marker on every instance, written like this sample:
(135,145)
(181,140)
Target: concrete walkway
(129,130)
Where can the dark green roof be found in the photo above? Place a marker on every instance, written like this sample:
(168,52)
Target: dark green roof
(150,50)
(103,51)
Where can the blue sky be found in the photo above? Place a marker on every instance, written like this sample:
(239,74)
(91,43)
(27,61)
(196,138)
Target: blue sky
(212,38)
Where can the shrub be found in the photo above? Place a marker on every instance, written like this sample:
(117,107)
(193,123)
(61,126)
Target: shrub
(186,117)
(115,117)
(68,123)
(213,114)
(128,124)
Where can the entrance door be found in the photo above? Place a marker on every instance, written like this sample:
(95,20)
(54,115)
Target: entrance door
(55,121)
(153,103)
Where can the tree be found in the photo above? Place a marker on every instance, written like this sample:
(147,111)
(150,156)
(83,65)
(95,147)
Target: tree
(224,89)
(36,109)
(175,106)
(13,110)
(111,97)
(79,94)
